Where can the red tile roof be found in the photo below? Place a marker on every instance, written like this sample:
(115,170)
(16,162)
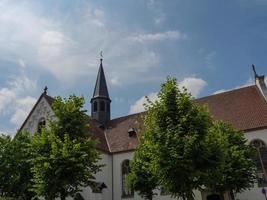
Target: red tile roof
(117,132)
(245,108)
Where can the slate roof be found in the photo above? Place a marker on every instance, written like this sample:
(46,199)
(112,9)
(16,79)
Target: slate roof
(244,108)
(101,89)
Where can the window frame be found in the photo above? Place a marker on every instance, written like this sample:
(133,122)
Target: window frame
(125,170)
(41,124)
(261,171)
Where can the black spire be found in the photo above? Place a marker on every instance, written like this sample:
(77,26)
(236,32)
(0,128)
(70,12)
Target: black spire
(100,102)
(101,89)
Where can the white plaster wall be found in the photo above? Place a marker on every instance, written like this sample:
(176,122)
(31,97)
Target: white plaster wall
(105,175)
(258,134)
(254,193)
(117,161)
(42,110)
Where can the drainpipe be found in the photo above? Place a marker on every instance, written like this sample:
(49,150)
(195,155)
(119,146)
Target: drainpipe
(112,177)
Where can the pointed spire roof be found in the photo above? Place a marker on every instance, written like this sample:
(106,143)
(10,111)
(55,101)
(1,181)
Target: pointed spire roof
(101,89)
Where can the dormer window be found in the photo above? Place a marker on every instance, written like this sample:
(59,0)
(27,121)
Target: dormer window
(41,124)
(131,132)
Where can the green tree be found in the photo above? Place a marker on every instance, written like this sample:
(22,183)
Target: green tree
(235,170)
(176,128)
(142,177)
(15,174)
(65,153)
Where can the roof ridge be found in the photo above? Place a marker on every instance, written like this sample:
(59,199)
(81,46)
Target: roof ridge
(126,116)
(227,91)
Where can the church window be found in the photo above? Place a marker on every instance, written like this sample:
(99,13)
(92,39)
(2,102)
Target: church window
(108,107)
(41,124)
(95,106)
(102,106)
(125,170)
(261,161)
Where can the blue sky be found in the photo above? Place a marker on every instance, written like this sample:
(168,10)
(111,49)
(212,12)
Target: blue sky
(208,45)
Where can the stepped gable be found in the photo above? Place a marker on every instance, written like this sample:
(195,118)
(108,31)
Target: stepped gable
(244,108)
(117,133)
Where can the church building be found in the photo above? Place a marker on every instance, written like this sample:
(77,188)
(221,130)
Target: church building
(245,108)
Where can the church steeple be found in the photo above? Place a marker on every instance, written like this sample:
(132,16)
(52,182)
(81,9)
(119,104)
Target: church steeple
(100,102)
(101,89)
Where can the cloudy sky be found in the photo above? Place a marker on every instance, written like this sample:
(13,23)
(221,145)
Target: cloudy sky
(208,45)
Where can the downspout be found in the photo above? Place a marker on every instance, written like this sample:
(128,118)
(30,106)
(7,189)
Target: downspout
(112,177)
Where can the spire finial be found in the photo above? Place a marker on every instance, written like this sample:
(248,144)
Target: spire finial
(101,56)
(45,90)
(254,70)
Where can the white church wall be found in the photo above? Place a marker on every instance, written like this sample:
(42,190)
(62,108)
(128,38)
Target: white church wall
(105,175)
(257,134)
(117,180)
(42,110)
(256,192)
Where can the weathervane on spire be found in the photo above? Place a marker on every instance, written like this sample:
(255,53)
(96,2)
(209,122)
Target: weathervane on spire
(101,55)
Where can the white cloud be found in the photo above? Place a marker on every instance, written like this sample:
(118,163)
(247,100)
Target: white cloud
(22,63)
(160,36)
(155,8)
(6,96)
(69,50)
(138,106)
(193,85)
(13,100)
(209,58)
(22,108)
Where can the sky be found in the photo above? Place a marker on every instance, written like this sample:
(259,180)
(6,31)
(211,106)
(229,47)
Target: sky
(207,45)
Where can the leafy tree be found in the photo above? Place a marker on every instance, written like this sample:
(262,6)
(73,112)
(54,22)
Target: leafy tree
(182,149)
(235,170)
(15,174)
(176,128)
(142,177)
(65,154)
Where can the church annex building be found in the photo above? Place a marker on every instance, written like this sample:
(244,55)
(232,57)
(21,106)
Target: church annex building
(245,108)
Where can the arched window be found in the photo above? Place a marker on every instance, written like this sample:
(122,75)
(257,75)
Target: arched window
(261,161)
(41,124)
(108,107)
(125,170)
(102,106)
(95,106)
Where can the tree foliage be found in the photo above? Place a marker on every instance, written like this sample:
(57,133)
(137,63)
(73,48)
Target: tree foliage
(182,149)
(235,170)
(142,177)
(15,174)
(65,153)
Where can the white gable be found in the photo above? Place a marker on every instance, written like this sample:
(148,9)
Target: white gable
(41,111)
